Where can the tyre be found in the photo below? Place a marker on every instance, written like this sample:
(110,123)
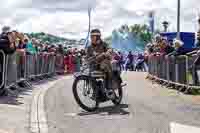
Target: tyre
(2,91)
(89,92)
(119,96)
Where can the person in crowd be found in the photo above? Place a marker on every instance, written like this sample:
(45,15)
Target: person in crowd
(70,62)
(66,62)
(116,56)
(198,39)
(149,48)
(21,44)
(8,40)
(162,46)
(40,47)
(116,61)
(121,61)
(5,30)
(77,61)
(179,49)
(60,49)
(35,44)
(45,48)
(30,47)
(157,43)
(52,49)
(130,61)
(166,47)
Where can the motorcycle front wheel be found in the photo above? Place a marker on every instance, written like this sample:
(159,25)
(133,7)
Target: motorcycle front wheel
(85,93)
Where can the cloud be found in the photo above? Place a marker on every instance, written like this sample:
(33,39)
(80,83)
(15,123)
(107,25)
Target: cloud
(68,18)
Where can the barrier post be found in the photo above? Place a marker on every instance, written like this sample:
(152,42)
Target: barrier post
(176,71)
(187,70)
(167,60)
(3,68)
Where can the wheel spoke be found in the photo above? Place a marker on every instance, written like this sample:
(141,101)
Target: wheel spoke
(86,93)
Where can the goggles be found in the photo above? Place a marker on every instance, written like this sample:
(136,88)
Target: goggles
(95,34)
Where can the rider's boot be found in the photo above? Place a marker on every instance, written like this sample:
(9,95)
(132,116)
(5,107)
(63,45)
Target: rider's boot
(110,92)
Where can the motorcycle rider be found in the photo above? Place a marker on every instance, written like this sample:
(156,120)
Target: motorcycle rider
(103,56)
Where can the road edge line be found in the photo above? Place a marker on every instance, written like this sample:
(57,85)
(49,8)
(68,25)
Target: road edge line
(38,120)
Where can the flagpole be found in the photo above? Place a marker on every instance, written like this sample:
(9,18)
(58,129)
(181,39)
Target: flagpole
(89,26)
(178,18)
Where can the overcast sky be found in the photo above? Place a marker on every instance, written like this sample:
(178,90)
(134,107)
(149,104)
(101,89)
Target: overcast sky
(68,18)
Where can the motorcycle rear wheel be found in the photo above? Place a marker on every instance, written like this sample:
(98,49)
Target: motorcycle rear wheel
(89,81)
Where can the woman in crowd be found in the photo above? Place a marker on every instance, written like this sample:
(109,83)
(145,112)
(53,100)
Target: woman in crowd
(31,49)
(70,62)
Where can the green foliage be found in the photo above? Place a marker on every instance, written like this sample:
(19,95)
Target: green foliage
(142,32)
(47,37)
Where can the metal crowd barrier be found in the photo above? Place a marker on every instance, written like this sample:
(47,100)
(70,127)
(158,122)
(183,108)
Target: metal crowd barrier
(20,67)
(59,65)
(173,70)
(2,68)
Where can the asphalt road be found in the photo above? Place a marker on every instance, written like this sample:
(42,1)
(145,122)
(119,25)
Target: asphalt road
(146,108)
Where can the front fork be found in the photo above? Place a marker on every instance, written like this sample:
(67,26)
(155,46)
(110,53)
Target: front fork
(86,88)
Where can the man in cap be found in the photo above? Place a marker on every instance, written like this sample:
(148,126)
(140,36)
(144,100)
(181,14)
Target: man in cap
(8,38)
(99,51)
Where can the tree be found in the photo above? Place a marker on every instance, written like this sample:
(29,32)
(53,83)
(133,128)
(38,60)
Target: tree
(141,31)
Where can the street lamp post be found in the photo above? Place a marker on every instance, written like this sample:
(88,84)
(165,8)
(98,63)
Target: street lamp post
(178,18)
(199,23)
(165,25)
(151,21)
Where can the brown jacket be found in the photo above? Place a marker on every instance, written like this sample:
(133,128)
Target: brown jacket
(98,51)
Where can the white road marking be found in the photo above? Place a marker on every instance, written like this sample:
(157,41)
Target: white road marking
(38,120)
(71,114)
(179,128)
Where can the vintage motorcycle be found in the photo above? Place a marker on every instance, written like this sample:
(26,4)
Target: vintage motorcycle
(89,88)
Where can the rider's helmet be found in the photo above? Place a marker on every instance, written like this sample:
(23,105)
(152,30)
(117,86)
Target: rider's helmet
(96,33)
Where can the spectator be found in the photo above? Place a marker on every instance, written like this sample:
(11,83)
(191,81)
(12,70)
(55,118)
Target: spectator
(40,47)
(121,61)
(130,59)
(60,49)
(29,47)
(70,62)
(45,48)
(116,56)
(198,40)
(168,48)
(35,44)
(21,45)
(179,49)
(52,49)
(66,62)
(165,47)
